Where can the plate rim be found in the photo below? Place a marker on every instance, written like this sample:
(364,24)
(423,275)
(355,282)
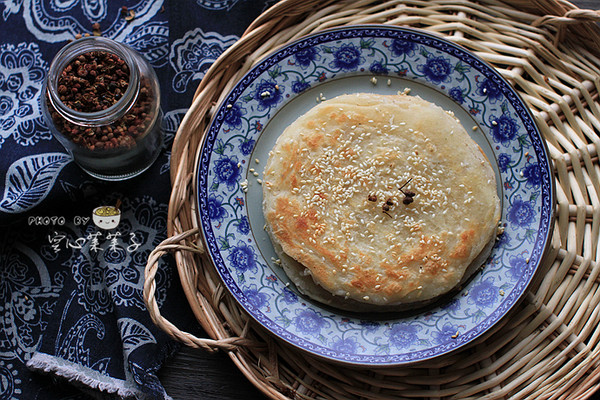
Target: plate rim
(463,341)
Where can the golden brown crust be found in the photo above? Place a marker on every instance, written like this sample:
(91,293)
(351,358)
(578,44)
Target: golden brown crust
(327,168)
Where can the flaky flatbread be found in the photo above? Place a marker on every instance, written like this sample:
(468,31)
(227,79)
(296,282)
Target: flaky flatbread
(336,192)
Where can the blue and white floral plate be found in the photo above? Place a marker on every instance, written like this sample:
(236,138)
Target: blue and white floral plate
(292,80)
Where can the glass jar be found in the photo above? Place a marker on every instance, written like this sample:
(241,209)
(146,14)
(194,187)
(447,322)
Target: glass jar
(102,102)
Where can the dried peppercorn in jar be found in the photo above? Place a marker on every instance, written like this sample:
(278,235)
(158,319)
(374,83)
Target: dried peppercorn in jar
(102,100)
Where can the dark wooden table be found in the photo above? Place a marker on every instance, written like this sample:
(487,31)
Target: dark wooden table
(195,374)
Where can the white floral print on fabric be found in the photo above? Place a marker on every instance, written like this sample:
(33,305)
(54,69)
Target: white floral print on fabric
(227,5)
(22,74)
(151,40)
(192,55)
(56,21)
(217,4)
(27,294)
(109,267)
(29,180)
(171,122)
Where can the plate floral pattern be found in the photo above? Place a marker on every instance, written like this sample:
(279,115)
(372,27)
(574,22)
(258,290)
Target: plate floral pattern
(229,191)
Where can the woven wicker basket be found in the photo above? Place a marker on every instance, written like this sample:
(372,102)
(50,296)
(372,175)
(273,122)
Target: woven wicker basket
(549,347)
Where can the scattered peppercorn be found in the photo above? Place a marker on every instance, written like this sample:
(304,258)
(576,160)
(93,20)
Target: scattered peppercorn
(408,194)
(389,202)
(372,197)
(96,29)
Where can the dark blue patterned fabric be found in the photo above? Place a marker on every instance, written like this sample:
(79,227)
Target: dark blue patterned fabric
(72,316)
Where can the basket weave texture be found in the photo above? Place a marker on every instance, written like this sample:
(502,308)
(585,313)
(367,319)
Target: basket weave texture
(549,346)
